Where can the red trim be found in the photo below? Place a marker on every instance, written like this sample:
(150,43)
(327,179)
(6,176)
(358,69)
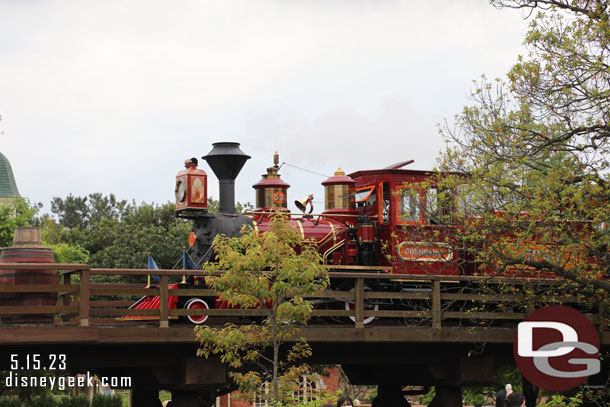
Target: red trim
(372,187)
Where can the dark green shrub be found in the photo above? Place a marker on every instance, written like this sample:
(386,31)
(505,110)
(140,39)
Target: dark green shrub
(75,401)
(10,402)
(100,400)
(43,400)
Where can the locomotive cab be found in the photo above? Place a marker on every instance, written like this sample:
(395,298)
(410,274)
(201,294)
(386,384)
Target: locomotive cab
(408,219)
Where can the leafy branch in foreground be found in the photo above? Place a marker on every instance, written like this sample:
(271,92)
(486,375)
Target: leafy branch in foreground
(274,272)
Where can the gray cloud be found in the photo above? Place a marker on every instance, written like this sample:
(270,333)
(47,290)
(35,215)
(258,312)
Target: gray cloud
(113,96)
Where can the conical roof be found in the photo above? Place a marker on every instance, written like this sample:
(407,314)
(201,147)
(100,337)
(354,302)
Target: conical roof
(8,186)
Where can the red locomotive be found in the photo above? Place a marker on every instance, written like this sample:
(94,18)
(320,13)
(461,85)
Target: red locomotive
(366,226)
(375,221)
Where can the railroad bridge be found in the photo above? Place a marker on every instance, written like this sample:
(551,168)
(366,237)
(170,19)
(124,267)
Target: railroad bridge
(444,331)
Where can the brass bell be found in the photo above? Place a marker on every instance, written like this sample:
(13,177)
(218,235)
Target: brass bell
(302,204)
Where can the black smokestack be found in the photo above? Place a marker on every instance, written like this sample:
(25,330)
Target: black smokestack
(226,160)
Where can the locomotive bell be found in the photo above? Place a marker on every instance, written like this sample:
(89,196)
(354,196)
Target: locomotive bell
(191,188)
(302,203)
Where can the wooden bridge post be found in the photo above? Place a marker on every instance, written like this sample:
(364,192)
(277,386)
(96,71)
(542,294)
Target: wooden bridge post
(163,299)
(145,389)
(436,304)
(447,396)
(84,297)
(359,300)
(64,299)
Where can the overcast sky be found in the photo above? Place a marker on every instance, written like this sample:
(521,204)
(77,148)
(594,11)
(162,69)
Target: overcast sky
(113,96)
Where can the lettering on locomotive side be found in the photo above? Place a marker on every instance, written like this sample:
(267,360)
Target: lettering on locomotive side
(565,256)
(419,251)
(550,254)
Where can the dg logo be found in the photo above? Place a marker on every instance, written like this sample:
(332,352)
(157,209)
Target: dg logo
(557,348)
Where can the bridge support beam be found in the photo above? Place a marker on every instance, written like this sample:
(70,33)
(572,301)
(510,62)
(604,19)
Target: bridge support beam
(185,399)
(145,398)
(193,398)
(530,392)
(145,392)
(389,395)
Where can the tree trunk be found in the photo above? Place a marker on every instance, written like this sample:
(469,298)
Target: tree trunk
(276,352)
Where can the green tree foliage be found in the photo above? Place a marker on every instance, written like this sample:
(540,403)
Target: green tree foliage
(264,272)
(75,401)
(243,207)
(42,400)
(46,399)
(65,253)
(29,395)
(147,228)
(214,205)
(530,155)
(15,213)
(76,211)
(476,396)
(111,233)
(100,400)
(117,235)
(427,398)
(562,401)
(10,402)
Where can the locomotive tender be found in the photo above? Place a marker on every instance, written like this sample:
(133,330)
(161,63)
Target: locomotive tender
(366,226)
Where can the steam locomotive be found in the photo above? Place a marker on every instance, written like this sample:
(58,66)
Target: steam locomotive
(367,224)
(362,210)
(375,221)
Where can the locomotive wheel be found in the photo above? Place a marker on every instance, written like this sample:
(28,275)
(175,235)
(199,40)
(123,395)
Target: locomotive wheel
(196,303)
(350,306)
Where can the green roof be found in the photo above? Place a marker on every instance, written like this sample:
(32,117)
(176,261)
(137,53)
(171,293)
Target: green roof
(8,186)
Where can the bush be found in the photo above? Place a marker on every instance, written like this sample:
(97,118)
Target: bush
(100,400)
(43,400)
(75,401)
(10,402)
(561,401)
(425,399)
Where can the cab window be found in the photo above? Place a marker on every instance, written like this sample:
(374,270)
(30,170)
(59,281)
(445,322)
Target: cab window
(365,196)
(438,205)
(384,208)
(409,205)
(465,201)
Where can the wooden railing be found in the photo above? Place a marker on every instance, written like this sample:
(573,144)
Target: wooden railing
(64,289)
(356,298)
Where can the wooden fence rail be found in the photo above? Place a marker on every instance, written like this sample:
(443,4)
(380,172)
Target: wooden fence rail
(355,298)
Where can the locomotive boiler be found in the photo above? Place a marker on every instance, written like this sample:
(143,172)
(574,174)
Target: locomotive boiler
(226,160)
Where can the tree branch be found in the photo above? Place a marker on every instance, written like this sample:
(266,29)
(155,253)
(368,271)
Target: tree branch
(563,272)
(562,4)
